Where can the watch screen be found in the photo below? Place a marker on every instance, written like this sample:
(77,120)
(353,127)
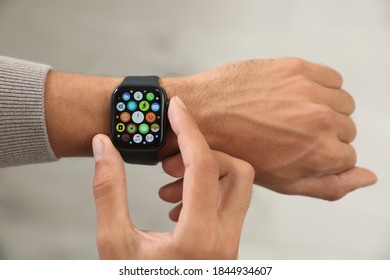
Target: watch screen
(138,117)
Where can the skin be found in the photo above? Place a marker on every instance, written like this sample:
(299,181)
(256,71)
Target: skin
(289,118)
(215,192)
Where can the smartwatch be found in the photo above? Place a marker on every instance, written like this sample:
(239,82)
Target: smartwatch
(139,119)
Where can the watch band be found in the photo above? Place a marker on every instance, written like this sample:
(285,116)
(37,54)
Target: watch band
(140,157)
(141,81)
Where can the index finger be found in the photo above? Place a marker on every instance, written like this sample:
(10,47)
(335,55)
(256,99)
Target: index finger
(201,176)
(333,186)
(324,75)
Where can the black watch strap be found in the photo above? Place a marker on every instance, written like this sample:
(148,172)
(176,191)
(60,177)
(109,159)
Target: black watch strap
(141,81)
(140,157)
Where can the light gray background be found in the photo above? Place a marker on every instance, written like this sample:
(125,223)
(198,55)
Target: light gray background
(47,210)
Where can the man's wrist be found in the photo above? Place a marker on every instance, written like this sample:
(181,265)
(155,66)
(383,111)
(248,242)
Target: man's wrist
(172,86)
(194,93)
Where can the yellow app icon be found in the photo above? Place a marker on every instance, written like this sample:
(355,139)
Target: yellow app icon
(120,127)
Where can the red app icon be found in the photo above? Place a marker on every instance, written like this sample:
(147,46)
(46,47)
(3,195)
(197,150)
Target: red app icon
(150,117)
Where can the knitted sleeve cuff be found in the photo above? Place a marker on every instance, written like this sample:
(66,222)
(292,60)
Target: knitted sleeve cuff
(23,133)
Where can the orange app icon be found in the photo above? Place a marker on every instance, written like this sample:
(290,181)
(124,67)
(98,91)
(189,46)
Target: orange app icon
(150,117)
(125,117)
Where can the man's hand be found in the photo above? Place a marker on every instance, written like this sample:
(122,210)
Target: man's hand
(287,117)
(214,188)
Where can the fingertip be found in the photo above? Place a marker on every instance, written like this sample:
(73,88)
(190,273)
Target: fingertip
(174,214)
(97,147)
(103,149)
(172,192)
(161,193)
(175,106)
(370,178)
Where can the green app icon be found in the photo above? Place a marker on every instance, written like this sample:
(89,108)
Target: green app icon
(143,128)
(150,96)
(144,105)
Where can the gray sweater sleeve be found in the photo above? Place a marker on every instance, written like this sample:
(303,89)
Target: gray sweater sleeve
(23,133)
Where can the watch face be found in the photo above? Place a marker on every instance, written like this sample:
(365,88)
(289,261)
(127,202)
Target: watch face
(138,117)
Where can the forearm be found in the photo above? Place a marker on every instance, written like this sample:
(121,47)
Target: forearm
(77,107)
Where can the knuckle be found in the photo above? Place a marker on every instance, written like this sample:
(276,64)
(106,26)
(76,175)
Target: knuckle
(327,158)
(305,89)
(324,117)
(353,130)
(352,102)
(246,172)
(332,159)
(323,158)
(349,100)
(242,171)
(294,65)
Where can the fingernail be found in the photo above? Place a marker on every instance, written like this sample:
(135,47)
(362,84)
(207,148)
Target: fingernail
(98,148)
(180,102)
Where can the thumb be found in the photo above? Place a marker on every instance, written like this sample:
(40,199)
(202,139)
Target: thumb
(109,185)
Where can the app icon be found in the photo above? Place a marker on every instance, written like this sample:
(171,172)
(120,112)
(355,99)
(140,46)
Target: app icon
(155,127)
(120,127)
(138,117)
(138,95)
(132,105)
(125,137)
(144,128)
(150,96)
(150,117)
(149,138)
(120,106)
(126,96)
(144,105)
(125,117)
(131,128)
(137,138)
(155,106)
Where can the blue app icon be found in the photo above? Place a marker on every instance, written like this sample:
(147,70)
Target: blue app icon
(120,106)
(126,96)
(132,105)
(155,106)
